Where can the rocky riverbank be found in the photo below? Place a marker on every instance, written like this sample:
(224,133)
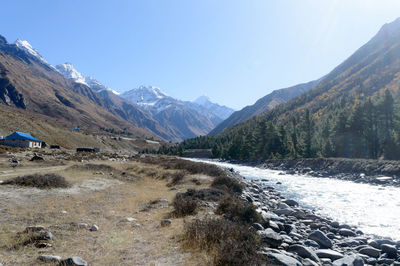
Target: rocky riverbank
(358,170)
(297,236)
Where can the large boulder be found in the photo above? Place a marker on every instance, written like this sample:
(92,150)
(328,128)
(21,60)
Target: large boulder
(370,251)
(270,237)
(304,252)
(328,254)
(349,260)
(390,250)
(321,239)
(346,232)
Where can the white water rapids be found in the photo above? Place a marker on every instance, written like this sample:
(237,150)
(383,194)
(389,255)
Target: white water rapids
(373,209)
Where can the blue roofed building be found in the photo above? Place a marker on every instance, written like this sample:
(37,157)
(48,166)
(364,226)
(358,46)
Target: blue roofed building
(22,140)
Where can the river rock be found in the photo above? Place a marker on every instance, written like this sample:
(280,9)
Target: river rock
(270,237)
(274,226)
(289,228)
(166,222)
(385,241)
(94,228)
(335,224)
(328,254)
(390,250)
(284,260)
(385,261)
(287,239)
(283,211)
(308,262)
(257,226)
(304,252)
(73,261)
(370,251)
(291,202)
(311,243)
(349,260)
(49,258)
(321,239)
(346,232)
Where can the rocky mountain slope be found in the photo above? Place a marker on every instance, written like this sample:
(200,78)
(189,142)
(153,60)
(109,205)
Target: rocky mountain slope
(265,104)
(29,83)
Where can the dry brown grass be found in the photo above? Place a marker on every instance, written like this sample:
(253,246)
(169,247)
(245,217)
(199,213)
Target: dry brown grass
(100,195)
(118,242)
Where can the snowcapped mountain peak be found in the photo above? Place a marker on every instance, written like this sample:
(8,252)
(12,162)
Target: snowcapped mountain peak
(219,110)
(202,100)
(27,47)
(145,95)
(69,71)
(157,92)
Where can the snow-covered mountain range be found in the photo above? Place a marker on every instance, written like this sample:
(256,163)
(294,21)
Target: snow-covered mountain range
(182,119)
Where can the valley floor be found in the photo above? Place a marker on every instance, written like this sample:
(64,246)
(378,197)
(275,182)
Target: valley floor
(126,199)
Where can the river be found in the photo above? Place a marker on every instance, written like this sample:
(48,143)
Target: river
(373,209)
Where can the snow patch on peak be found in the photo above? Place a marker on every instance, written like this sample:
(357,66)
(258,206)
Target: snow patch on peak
(69,71)
(145,95)
(202,100)
(157,92)
(27,47)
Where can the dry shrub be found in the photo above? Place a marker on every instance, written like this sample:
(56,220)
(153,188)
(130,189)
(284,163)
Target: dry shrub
(229,243)
(184,205)
(238,211)
(228,184)
(176,178)
(206,194)
(45,181)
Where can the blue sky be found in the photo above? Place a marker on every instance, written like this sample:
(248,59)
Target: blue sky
(233,51)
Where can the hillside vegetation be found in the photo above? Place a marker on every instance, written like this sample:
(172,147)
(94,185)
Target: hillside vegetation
(352,112)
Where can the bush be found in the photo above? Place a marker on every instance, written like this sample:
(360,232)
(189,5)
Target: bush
(184,205)
(176,178)
(40,181)
(228,184)
(238,211)
(206,194)
(229,243)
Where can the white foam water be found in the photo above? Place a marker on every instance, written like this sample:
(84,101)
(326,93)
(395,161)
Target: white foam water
(373,209)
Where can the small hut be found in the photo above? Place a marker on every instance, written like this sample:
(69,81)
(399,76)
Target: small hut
(22,140)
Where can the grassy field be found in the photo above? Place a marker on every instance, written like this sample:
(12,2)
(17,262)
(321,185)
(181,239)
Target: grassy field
(101,193)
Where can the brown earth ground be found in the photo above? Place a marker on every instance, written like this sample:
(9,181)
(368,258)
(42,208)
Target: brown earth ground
(104,198)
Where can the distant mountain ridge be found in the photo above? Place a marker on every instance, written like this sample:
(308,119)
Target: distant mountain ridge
(265,104)
(187,119)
